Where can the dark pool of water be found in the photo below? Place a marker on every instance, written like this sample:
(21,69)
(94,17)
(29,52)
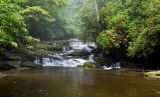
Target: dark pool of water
(75,82)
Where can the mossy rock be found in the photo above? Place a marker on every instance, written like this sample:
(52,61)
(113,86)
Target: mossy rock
(2,75)
(152,74)
(89,65)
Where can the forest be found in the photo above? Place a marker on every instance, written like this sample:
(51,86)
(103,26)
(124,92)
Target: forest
(79,48)
(126,28)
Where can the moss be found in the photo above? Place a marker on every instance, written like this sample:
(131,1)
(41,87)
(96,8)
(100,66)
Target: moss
(152,74)
(2,75)
(89,65)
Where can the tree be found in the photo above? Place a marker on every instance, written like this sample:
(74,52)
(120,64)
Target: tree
(12,23)
(97,16)
(48,30)
(13,17)
(131,23)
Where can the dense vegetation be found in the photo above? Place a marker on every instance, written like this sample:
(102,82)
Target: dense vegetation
(18,18)
(51,29)
(132,26)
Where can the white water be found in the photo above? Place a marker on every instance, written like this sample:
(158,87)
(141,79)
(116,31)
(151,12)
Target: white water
(113,66)
(66,57)
(63,59)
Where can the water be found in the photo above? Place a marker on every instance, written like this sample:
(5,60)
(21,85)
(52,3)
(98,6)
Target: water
(75,82)
(112,66)
(77,52)
(56,81)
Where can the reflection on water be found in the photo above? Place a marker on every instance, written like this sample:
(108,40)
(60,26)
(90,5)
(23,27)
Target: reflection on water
(72,82)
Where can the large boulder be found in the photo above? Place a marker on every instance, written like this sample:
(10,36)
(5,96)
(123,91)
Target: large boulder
(6,66)
(77,53)
(30,64)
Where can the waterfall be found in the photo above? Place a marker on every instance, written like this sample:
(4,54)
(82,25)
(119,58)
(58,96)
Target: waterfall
(67,57)
(75,53)
(91,58)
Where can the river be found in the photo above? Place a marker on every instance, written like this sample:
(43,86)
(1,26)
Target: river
(77,82)
(60,77)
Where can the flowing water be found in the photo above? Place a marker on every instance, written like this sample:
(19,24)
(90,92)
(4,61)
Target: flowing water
(75,53)
(76,82)
(61,78)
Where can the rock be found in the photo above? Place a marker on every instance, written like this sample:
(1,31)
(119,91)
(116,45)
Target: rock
(89,65)
(6,66)
(19,65)
(30,64)
(9,56)
(2,75)
(152,74)
(77,53)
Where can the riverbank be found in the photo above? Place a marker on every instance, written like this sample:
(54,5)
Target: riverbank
(23,56)
(77,82)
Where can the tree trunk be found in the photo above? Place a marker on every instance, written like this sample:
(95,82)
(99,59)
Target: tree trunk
(97,16)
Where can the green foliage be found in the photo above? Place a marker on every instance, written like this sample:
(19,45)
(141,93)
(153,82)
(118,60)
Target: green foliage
(12,23)
(51,22)
(88,18)
(30,39)
(135,24)
(108,39)
(145,35)
(36,13)
(13,17)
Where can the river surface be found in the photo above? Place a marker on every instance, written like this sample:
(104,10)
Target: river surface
(77,82)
